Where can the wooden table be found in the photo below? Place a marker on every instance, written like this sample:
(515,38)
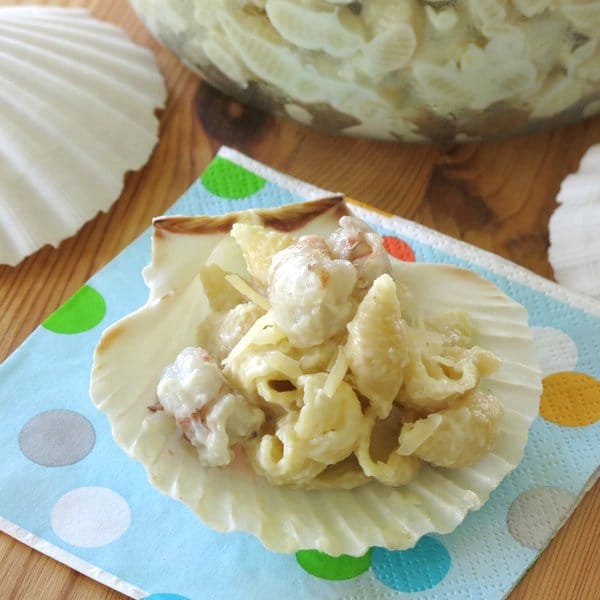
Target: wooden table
(496,195)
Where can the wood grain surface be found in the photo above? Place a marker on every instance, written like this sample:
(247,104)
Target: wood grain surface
(495,195)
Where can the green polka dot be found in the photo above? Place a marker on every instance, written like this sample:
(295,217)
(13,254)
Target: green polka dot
(228,180)
(334,568)
(82,311)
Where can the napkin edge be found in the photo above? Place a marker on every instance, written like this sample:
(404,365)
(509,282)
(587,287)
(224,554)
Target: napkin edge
(70,560)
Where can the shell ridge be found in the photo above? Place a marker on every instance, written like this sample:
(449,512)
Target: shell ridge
(34,126)
(48,58)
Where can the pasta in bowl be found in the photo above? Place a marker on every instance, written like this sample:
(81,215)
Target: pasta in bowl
(407,70)
(288,378)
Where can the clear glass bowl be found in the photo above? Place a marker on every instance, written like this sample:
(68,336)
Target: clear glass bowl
(409,70)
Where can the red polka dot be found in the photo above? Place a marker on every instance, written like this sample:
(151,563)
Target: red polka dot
(398,248)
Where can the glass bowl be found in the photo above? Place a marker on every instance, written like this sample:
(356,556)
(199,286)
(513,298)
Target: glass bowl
(407,70)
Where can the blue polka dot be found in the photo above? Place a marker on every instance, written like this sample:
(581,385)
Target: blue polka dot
(414,570)
(165,597)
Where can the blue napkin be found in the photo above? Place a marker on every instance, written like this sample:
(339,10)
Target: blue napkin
(68,490)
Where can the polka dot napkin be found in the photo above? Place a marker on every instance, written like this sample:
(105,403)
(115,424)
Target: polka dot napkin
(70,492)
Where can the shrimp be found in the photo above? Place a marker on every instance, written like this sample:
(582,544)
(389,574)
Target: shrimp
(362,246)
(315,285)
(311,292)
(211,416)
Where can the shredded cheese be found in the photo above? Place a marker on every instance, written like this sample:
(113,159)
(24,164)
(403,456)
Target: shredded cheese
(285,365)
(412,437)
(243,288)
(337,373)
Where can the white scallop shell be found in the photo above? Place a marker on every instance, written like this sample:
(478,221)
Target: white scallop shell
(574,251)
(131,354)
(77,101)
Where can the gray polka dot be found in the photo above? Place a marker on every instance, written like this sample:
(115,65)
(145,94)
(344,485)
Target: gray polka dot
(537,514)
(57,438)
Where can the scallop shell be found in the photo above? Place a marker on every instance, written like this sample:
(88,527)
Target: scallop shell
(77,101)
(574,251)
(205,239)
(132,353)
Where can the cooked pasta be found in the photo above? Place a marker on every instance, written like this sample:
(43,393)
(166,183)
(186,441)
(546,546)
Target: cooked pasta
(377,367)
(259,245)
(219,52)
(390,50)
(432,380)
(335,380)
(409,69)
(313,29)
(458,436)
(378,452)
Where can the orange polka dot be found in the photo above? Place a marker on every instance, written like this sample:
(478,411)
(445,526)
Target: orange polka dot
(571,399)
(398,248)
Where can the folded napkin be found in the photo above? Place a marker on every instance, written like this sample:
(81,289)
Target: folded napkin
(69,491)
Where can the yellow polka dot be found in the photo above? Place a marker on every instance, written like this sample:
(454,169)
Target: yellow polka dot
(571,399)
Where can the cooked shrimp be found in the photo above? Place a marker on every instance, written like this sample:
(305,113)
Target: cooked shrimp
(311,292)
(356,242)
(207,411)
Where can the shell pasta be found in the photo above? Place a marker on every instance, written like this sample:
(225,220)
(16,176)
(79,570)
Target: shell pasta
(316,368)
(414,70)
